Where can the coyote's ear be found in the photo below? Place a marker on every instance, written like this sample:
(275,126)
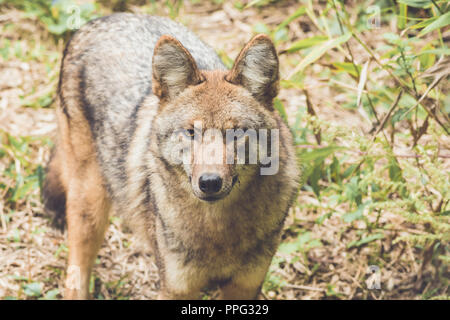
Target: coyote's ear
(256,69)
(173,67)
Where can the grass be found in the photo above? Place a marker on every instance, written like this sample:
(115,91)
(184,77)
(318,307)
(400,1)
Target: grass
(365,95)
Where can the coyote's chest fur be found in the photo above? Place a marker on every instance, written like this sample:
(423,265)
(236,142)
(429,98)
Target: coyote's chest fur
(217,237)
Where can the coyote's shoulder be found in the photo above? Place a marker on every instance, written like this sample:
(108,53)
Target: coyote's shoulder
(146,113)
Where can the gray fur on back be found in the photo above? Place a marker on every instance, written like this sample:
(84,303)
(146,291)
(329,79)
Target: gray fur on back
(112,56)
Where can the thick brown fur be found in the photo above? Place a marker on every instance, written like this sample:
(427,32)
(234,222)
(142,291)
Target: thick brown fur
(115,153)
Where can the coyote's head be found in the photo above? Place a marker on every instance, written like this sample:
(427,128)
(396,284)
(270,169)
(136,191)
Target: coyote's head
(207,118)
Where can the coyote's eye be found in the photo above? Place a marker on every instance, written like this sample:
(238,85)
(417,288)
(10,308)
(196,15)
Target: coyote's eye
(189,133)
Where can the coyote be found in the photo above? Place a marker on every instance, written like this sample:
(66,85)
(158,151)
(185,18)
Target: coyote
(136,92)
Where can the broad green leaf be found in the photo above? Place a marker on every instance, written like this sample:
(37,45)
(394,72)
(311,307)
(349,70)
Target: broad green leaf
(391,37)
(355,215)
(395,172)
(352,191)
(33,289)
(427,60)
(335,170)
(322,218)
(45,101)
(303,242)
(51,294)
(227,61)
(57,29)
(306,43)
(365,240)
(261,28)
(320,50)
(403,15)
(280,35)
(18,143)
(288,248)
(349,171)
(278,105)
(319,154)
(440,22)
(23,190)
(424,23)
(443,51)
(399,114)
(347,67)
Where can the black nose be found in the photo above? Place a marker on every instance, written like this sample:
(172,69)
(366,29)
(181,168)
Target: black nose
(210,183)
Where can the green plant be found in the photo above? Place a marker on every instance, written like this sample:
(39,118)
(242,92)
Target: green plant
(364,173)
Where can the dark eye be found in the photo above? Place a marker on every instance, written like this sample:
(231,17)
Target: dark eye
(189,133)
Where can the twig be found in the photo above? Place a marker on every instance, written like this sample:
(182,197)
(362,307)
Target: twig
(311,111)
(423,128)
(434,84)
(388,115)
(300,287)
(402,55)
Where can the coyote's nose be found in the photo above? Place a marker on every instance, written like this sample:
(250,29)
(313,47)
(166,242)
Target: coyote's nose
(210,183)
